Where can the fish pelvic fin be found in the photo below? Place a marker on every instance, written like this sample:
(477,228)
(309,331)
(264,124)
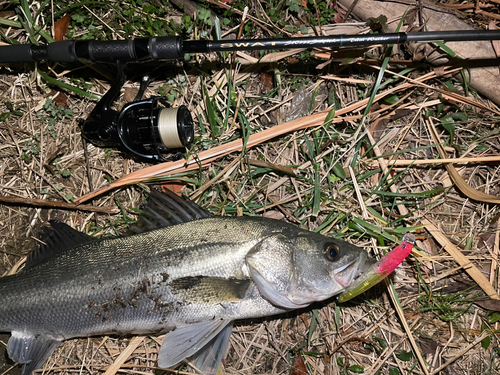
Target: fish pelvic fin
(31,350)
(202,338)
(208,360)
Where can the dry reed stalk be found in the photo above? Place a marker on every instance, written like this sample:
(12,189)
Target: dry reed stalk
(473,159)
(208,156)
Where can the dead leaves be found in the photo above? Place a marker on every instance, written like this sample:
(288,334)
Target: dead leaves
(61,27)
(299,368)
(489,304)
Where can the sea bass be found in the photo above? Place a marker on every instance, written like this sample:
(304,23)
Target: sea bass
(185,272)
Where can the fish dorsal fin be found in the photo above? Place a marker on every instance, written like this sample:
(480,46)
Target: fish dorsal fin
(56,239)
(166,209)
(30,350)
(186,341)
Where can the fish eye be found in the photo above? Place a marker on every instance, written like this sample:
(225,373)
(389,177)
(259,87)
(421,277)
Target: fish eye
(331,251)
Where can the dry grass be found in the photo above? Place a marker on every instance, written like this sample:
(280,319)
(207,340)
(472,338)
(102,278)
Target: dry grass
(298,177)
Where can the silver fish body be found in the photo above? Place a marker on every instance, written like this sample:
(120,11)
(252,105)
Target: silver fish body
(192,280)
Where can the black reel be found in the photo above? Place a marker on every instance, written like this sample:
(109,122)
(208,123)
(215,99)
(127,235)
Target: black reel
(142,128)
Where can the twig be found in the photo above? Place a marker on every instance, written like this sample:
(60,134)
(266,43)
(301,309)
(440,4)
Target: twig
(351,8)
(53,204)
(237,11)
(87,167)
(494,258)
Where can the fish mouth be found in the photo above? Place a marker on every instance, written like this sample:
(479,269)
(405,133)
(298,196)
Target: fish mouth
(346,274)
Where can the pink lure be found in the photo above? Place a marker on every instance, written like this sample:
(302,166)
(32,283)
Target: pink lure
(380,270)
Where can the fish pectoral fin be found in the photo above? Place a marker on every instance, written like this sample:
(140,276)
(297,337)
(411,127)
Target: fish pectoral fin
(31,350)
(186,341)
(208,359)
(209,289)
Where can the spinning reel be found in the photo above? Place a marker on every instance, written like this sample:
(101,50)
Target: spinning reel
(143,128)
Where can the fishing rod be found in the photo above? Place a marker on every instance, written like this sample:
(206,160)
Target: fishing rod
(147,130)
(174,48)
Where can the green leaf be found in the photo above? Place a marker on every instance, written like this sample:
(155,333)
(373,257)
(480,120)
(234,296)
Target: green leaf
(394,371)
(304,30)
(403,355)
(294,6)
(317,191)
(381,342)
(204,14)
(340,361)
(449,124)
(357,369)
(460,116)
(210,108)
(446,49)
(429,113)
(401,230)
(329,117)
(4,116)
(76,90)
(391,99)
(312,326)
(493,318)
(485,343)
(338,170)
(468,243)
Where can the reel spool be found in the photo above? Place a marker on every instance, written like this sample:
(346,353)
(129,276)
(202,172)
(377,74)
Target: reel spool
(148,131)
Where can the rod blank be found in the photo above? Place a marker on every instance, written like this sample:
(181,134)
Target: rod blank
(173,48)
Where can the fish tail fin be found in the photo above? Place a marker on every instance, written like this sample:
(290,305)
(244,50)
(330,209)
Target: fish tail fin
(31,350)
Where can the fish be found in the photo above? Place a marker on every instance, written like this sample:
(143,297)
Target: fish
(179,271)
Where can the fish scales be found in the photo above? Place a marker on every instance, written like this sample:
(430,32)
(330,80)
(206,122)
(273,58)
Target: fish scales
(116,286)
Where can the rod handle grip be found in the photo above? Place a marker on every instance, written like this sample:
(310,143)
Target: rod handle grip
(16,53)
(165,48)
